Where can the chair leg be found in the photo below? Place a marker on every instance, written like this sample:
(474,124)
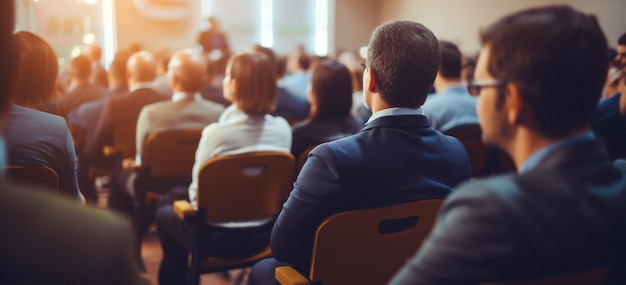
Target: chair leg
(193,274)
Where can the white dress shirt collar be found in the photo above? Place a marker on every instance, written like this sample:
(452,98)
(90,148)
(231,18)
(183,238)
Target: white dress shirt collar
(184,95)
(140,85)
(395,111)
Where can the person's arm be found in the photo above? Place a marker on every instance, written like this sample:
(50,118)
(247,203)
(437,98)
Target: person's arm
(68,179)
(143,125)
(293,233)
(471,239)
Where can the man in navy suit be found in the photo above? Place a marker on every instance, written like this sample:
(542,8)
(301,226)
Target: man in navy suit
(397,157)
(141,68)
(540,73)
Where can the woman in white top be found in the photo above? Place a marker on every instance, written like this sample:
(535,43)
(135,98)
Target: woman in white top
(245,126)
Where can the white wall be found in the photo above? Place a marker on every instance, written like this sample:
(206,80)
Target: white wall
(460,21)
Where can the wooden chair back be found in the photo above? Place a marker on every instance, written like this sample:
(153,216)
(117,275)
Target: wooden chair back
(245,186)
(477,151)
(349,244)
(170,154)
(40,176)
(124,139)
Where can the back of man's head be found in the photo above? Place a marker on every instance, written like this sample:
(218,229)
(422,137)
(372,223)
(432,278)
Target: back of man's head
(141,67)
(186,70)
(80,67)
(404,57)
(556,57)
(451,60)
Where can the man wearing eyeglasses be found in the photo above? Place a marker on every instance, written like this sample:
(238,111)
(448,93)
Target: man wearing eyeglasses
(607,121)
(539,76)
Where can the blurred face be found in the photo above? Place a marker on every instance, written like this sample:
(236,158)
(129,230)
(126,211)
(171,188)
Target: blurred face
(228,84)
(492,117)
(622,98)
(621,55)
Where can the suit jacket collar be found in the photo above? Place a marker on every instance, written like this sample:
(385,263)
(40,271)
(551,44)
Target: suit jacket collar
(584,152)
(400,121)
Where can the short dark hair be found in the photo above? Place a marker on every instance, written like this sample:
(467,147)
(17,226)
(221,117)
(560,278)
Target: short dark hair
(38,70)
(404,57)
(451,60)
(622,40)
(331,84)
(556,57)
(81,67)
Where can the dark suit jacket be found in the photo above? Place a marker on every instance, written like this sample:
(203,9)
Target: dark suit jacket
(81,94)
(392,160)
(290,106)
(565,214)
(50,240)
(117,111)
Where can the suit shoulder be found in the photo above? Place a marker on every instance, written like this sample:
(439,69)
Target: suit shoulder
(504,188)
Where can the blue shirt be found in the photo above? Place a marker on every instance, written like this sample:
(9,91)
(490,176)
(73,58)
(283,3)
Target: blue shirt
(538,155)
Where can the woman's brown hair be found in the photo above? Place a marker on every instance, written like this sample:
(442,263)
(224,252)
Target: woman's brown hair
(38,70)
(255,83)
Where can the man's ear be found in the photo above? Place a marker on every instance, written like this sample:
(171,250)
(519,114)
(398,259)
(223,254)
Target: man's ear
(370,81)
(514,103)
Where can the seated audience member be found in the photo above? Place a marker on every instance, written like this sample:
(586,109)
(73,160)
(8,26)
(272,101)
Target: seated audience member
(187,109)
(298,78)
(606,119)
(34,137)
(331,99)
(564,211)
(292,107)
(141,71)
(245,126)
(81,90)
(86,116)
(452,106)
(212,86)
(84,119)
(162,83)
(99,75)
(396,158)
(359,110)
(622,89)
(46,240)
